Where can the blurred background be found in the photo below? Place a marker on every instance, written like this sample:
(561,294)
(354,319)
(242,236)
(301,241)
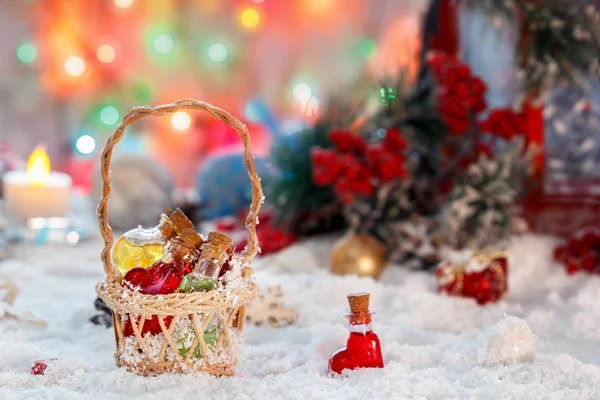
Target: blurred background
(71,71)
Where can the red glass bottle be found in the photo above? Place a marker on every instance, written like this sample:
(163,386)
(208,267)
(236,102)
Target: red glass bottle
(164,276)
(363,349)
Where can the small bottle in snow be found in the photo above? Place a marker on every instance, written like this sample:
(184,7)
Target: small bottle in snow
(363,349)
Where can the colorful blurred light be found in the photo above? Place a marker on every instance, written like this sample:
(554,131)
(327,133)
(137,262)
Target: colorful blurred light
(106,53)
(322,7)
(251,112)
(250,18)
(164,43)
(74,66)
(218,52)
(26,53)
(302,91)
(181,121)
(310,107)
(367,49)
(109,115)
(85,144)
(123,3)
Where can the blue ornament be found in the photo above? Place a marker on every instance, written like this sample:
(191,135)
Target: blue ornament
(223,185)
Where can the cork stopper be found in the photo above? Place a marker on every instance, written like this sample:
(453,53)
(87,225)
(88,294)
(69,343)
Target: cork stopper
(359,308)
(180,220)
(217,244)
(191,238)
(172,225)
(186,246)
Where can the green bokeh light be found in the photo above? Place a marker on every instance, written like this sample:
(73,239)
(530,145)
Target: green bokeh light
(109,115)
(164,43)
(367,49)
(218,52)
(26,53)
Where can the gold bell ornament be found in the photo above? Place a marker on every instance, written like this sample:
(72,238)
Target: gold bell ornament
(359,254)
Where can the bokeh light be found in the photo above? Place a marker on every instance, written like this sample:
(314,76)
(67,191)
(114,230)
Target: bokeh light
(26,53)
(250,18)
(85,144)
(123,3)
(164,43)
(251,113)
(181,121)
(106,53)
(367,49)
(310,107)
(302,91)
(72,238)
(217,52)
(74,66)
(109,115)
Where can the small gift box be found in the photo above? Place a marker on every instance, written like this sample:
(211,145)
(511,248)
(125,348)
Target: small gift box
(482,277)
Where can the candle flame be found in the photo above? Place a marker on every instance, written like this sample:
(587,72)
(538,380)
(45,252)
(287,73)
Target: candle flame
(38,166)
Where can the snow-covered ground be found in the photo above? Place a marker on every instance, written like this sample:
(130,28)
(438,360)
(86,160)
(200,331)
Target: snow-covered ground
(434,346)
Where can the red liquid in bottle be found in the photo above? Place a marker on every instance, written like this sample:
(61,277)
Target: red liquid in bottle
(363,349)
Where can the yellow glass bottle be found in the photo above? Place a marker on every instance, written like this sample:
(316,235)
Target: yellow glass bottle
(143,247)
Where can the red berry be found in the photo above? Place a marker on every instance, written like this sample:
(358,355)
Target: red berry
(479,105)
(572,268)
(373,154)
(576,247)
(386,173)
(478,85)
(321,177)
(394,140)
(453,75)
(366,188)
(319,156)
(464,71)
(342,185)
(359,145)
(591,237)
(39,366)
(588,261)
(342,140)
(560,253)
(462,91)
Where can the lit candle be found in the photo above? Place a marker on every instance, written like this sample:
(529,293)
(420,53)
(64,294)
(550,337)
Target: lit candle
(37,192)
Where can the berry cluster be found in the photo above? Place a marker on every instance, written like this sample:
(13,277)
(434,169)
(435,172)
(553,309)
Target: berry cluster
(271,238)
(460,96)
(504,123)
(581,252)
(356,168)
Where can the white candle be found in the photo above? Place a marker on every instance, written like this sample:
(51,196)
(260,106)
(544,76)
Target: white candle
(37,192)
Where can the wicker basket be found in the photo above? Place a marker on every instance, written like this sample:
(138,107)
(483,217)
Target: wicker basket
(224,309)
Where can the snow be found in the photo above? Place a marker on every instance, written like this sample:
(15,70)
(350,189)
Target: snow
(434,346)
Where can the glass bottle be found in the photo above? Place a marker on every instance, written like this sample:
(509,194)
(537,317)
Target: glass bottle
(143,247)
(363,349)
(165,275)
(183,251)
(205,276)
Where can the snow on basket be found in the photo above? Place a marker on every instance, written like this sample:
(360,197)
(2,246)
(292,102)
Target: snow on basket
(198,331)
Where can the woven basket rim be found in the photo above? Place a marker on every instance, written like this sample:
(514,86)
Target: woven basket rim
(123,300)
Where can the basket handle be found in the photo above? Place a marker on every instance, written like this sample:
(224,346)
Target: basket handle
(141,112)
